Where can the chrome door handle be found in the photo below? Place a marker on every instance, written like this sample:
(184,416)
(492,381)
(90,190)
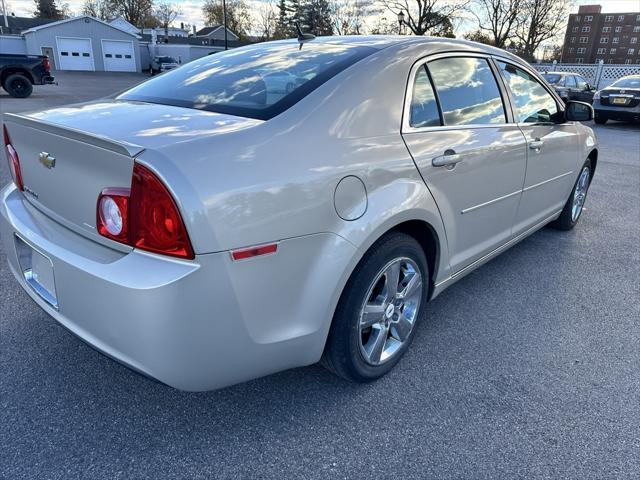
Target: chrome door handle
(536,144)
(449,159)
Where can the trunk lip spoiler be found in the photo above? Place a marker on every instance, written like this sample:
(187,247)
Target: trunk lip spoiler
(122,148)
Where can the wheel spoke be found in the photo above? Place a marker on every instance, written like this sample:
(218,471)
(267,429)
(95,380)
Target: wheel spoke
(414,284)
(402,328)
(374,352)
(371,315)
(393,278)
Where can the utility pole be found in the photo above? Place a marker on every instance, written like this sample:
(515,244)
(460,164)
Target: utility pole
(224,21)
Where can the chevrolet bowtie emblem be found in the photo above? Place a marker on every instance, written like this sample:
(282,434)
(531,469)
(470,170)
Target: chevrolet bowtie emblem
(47,160)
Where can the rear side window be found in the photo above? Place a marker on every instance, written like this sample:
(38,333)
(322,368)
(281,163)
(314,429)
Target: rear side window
(467,90)
(570,81)
(241,82)
(424,109)
(533,103)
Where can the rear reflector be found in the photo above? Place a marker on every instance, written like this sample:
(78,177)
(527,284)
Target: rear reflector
(254,251)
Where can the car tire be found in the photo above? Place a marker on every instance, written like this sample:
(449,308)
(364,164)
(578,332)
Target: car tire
(575,203)
(18,86)
(600,119)
(361,353)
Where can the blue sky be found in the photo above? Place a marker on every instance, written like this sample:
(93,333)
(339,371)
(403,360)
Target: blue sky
(191,9)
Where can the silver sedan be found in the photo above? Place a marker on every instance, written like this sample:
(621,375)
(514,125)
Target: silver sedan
(205,230)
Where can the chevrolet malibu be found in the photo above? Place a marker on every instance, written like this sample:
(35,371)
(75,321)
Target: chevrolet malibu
(205,230)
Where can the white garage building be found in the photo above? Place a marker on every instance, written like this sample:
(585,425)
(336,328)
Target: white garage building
(85,43)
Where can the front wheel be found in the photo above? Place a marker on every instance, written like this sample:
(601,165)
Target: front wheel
(18,86)
(575,203)
(600,119)
(379,308)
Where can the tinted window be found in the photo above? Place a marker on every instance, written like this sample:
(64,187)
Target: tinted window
(553,78)
(570,81)
(423,110)
(233,81)
(533,103)
(467,90)
(627,82)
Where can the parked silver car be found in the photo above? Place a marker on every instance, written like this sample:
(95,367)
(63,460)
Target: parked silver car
(204,232)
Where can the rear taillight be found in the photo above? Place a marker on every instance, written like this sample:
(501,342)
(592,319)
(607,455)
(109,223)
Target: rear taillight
(47,64)
(13,159)
(144,217)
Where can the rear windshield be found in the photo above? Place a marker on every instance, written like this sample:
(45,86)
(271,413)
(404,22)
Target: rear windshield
(552,78)
(628,82)
(166,60)
(258,81)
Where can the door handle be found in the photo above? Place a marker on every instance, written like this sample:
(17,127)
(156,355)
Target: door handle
(536,144)
(449,159)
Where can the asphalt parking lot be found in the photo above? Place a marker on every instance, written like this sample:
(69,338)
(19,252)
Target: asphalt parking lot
(527,368)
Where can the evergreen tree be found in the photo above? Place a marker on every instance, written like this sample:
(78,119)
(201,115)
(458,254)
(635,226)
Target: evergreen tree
(282,25)
(47,9)
(316,17)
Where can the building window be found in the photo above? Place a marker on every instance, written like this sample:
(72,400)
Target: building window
(627,61)
(634,40)
(582,50)
(586,29)
(608,18)
(571,50)
(598,60)
(631,51)
(579,60)
(615,40)
(602,50)
(618,29)
(584,39)
(577,18)
(588,18)
(575,29)
(621,18)
(637,18)
(636,29)
(606,29)
(573,39)
(604,40)
(612,51)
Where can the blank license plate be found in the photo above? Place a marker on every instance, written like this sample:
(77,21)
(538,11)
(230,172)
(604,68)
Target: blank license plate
(38,271)
(619,101)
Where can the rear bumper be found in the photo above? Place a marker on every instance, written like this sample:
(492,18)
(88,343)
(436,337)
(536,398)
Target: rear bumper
(46,80)
(194,325)
(617,113)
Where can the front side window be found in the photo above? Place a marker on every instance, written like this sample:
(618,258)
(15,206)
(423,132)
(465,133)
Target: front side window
(423,111)
(569,81)
(240,82)
(533,103)
(467,91)
(581,83)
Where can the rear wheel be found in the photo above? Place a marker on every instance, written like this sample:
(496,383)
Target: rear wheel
(18,86)
(380,306)
(600,119)
(575,203)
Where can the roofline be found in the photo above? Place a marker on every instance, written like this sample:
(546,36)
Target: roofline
(67,20)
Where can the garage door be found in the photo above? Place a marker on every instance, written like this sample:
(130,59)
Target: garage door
(118,56)
(75,54)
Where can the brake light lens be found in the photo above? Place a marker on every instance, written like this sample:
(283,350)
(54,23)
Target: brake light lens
(47,64)
(13,159)
(145,217)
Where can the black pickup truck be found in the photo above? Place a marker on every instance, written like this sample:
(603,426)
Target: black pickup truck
(19,73)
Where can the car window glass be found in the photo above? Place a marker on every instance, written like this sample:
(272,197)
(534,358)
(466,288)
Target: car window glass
(570,81)
(423,109)
(581,83)
(554,79)
(467,91)
(533,103)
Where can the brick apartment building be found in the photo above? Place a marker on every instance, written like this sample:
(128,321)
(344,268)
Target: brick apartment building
(593,36)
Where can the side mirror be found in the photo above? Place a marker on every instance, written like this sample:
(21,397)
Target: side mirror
(578,112)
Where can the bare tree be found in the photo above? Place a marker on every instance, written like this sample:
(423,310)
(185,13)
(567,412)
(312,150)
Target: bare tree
(134,11)
(347,16)
(498,19)
(541,20)
(166,13)
(426,16)
(267,20)
(96,8)
(239,19)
